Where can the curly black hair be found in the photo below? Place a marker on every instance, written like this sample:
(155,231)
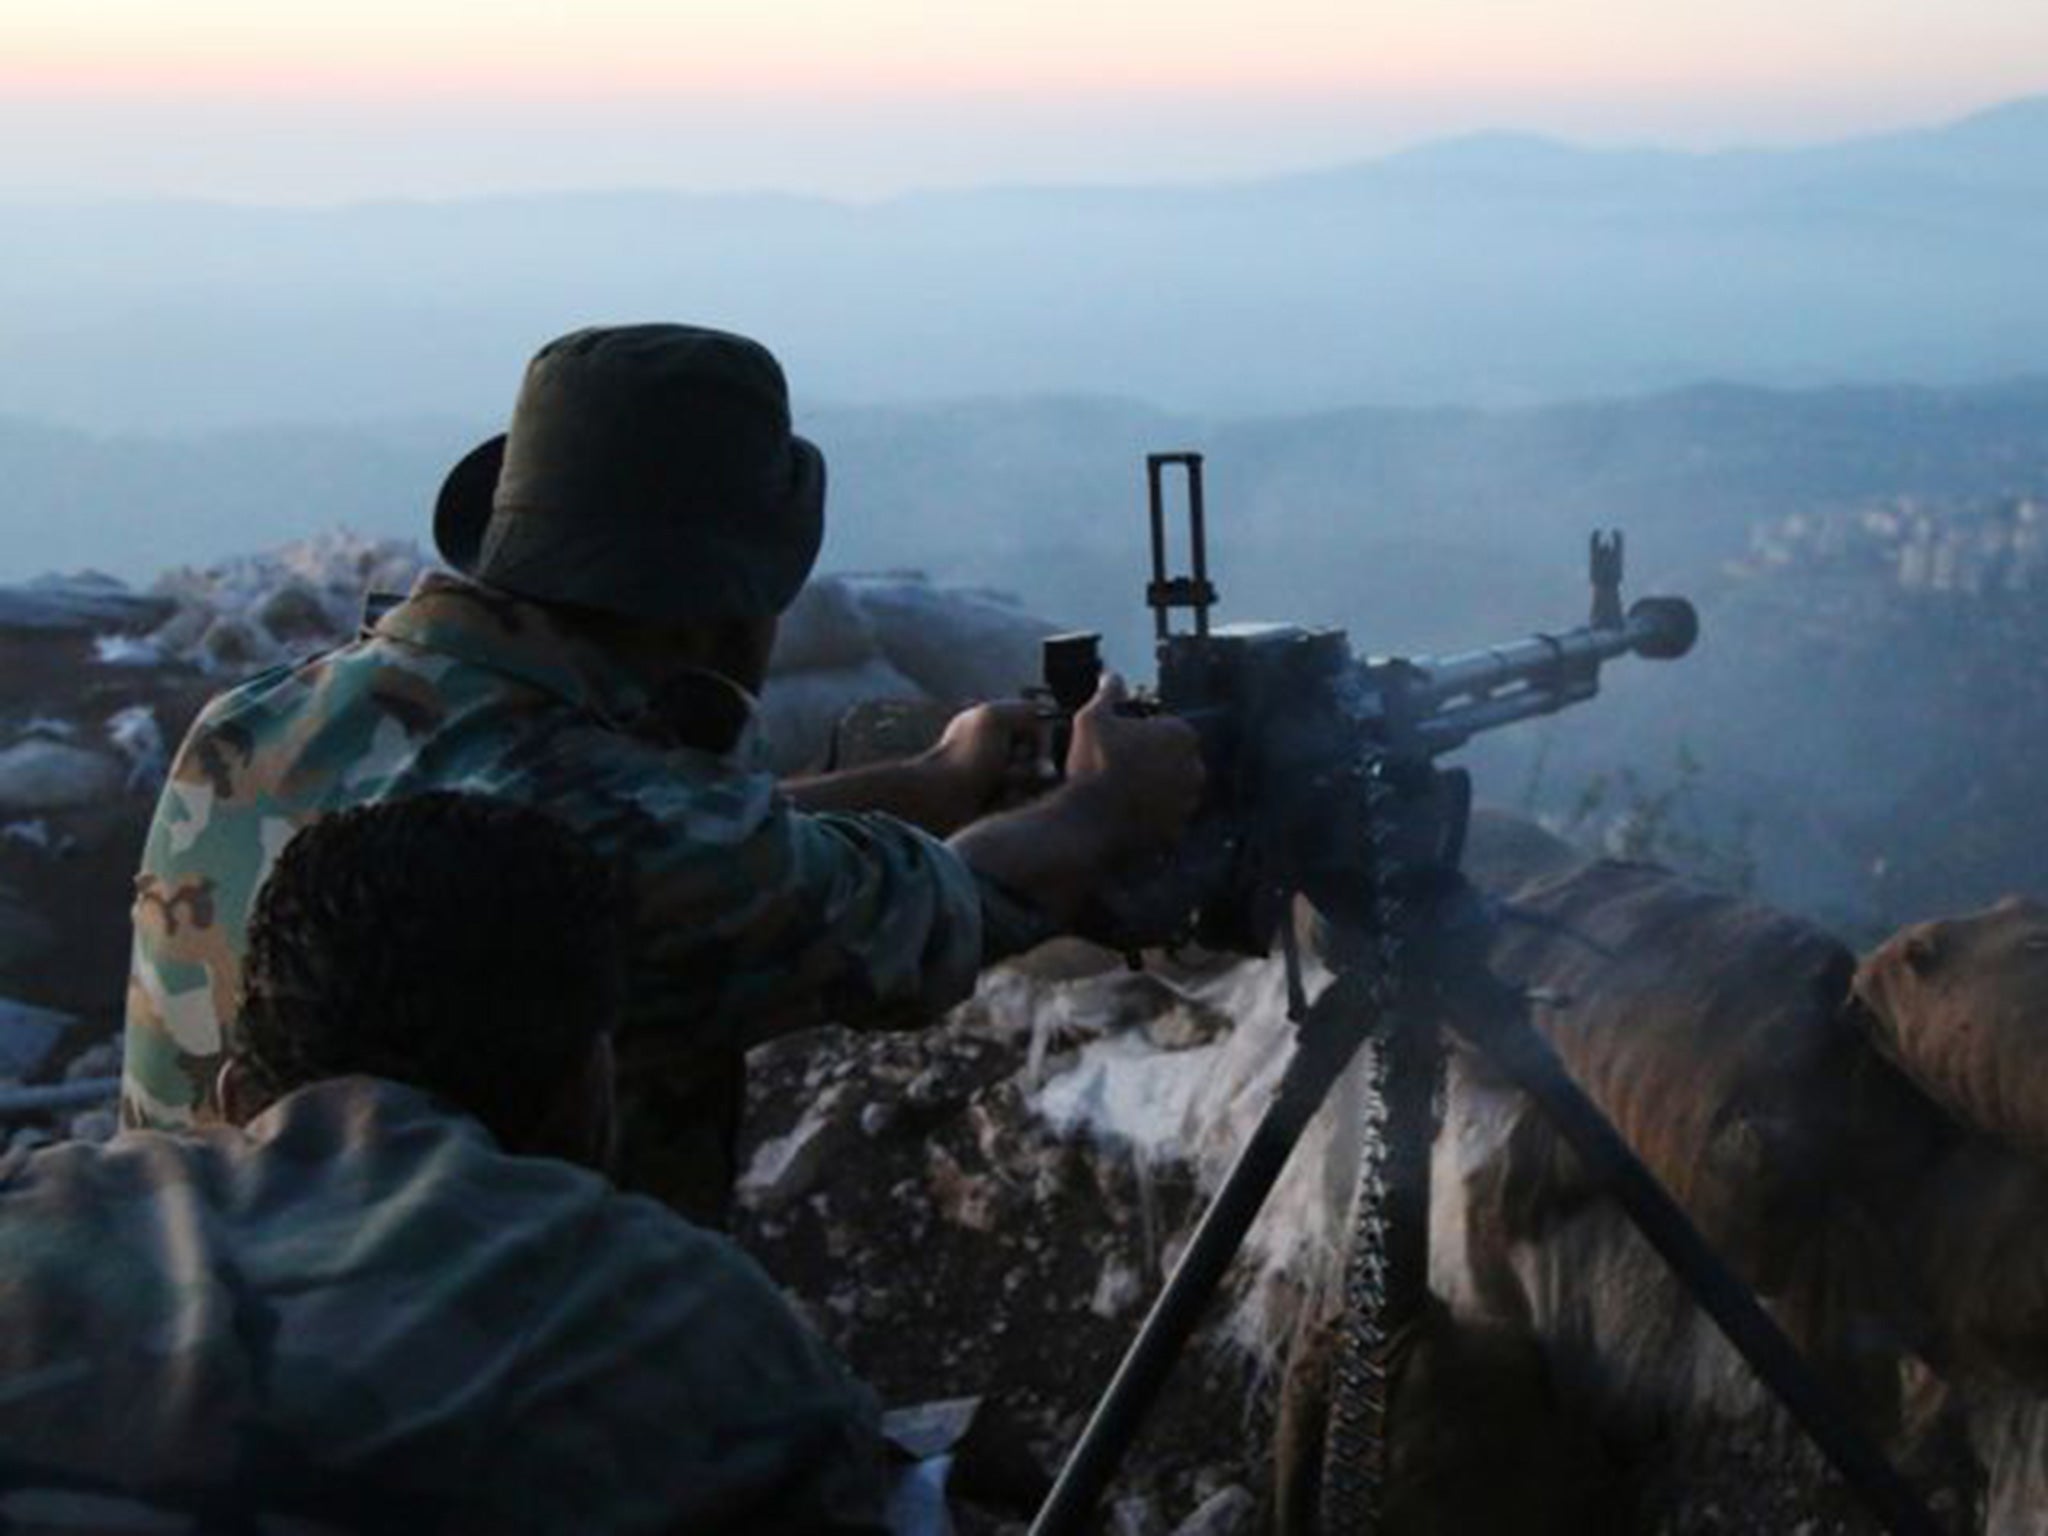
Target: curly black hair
(468,946)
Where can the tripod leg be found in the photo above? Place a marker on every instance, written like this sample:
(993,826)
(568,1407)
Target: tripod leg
(1330,1035)
(1386,1278)
(1495,1018)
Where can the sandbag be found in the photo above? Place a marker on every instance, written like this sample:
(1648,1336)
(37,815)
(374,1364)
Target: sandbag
(1982,1249)
(1504,852)
(1961,1005)
(1478,1440)
(825,629)
(800,709)
(958,646)
(37,774)
(87,602)
(1711,1032)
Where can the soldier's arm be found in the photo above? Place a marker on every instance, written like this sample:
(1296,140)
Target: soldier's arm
(984,760)
(757,918)
(1131,786)
(1132,783)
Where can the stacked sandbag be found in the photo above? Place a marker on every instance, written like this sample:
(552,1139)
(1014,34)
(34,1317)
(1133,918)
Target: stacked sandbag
(959,644)
(82,754)
(1505,852)
(1961,1005)
(1709,1030)
(1477,1439)
(852,640)
(86,602)
(256,611)
(1713,1034)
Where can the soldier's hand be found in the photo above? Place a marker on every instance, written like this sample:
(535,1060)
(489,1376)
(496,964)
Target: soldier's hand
(1148,767)
(988,758)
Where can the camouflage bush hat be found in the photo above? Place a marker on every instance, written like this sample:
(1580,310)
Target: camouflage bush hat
(648,470)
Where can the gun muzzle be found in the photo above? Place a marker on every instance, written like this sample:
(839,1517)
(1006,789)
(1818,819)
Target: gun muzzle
(1663,628)
(1454,698)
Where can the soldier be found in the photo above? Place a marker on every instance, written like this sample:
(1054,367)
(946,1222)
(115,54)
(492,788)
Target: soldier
(620,556)
(385,1296)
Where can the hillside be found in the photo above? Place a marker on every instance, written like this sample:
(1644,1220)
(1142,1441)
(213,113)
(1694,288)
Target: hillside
(1414,528)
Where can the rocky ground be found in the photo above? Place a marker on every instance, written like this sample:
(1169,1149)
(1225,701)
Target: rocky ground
(952,1244)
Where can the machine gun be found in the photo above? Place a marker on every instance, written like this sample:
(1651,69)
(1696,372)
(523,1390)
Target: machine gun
(1323,784)
(1305,743)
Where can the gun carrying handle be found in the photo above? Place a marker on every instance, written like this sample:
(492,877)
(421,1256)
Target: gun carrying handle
(1193,591)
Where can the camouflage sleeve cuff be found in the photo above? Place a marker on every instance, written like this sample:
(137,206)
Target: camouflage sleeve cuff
(1010,923)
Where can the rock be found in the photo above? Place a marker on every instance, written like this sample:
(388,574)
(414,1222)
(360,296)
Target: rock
(789,1167)
(824,630)
(140,740)
(963,1198)
(1229,1511)
(127,651)
(29,1037)
(876,1118)
(38,775)
(800,709)
(1116,1288)
(100,1059)
(1135,1514)
(95,1125)
(35,833)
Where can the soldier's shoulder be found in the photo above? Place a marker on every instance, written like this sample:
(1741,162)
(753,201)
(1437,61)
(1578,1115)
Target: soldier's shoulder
(644,794)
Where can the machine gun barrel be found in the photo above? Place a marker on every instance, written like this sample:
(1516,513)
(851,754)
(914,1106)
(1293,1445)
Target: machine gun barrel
(1451,699)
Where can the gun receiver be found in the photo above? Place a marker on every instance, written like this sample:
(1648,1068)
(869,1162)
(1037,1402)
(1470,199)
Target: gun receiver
(1318,759)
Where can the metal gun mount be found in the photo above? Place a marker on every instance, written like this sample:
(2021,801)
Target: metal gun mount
(1323,785)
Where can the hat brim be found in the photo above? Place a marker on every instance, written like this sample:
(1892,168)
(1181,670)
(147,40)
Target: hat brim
(463,509)
(652,571)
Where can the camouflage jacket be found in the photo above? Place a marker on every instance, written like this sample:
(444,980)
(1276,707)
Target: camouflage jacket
(360,1314)
(754,918)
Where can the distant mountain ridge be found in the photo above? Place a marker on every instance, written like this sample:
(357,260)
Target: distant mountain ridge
(1434,523)
(1494,270)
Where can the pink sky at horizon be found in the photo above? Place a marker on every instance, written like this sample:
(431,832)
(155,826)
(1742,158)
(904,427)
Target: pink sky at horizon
(406,96)
(868,47)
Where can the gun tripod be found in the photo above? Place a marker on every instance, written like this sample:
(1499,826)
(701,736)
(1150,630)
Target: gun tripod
(1443,981)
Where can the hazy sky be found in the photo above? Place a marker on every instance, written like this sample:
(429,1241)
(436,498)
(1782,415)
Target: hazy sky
(309,100)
